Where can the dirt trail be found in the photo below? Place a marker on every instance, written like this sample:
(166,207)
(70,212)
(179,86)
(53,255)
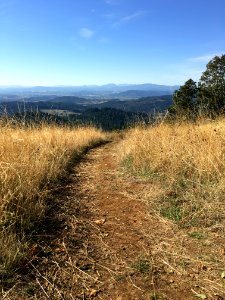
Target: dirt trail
(103,239)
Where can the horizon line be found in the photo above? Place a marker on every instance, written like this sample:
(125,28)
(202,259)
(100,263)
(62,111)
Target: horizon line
(81,85)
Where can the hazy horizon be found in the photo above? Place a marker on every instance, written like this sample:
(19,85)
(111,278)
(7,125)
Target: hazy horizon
(87,85)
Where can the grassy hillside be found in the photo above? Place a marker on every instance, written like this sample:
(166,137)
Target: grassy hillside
(31,161)
(189,159)
(185,164)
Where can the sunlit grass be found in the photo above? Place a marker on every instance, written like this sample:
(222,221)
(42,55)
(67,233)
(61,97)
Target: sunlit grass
(183,167)
(31,159)
(189,159)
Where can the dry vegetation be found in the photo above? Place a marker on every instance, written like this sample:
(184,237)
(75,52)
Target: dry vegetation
(185,164)
(176,248)
(31,160)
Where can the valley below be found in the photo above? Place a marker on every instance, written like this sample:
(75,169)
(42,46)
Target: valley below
(109,112)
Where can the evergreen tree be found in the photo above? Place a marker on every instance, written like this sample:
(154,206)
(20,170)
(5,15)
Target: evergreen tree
(211,95)
(184,99)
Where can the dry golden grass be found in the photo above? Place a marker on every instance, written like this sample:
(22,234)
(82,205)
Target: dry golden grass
(30,160)
(185,167)
(193,151)
(189,159)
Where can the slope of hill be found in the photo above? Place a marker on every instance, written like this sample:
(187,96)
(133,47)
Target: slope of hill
(109,118)
(105,118)
(19,106)
(77,104)
(135,94)
(137,218)
(109,115)
(147,105)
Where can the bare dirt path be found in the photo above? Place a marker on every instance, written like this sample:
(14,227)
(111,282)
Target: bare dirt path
(102,242)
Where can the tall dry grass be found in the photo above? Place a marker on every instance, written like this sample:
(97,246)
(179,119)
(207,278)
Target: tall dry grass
(183,166)
(30,160)
(189,160)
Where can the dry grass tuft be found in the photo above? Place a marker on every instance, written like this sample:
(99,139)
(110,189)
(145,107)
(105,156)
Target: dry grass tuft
(31,159)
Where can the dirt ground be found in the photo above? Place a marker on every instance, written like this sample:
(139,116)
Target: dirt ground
(102,241)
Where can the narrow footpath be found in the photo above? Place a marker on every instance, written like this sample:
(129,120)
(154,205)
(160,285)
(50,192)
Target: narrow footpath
(102,241)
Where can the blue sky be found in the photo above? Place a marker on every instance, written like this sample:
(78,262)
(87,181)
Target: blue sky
(69,42)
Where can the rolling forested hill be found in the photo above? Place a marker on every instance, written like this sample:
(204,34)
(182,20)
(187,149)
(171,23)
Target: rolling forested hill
(109,115)
(147,105)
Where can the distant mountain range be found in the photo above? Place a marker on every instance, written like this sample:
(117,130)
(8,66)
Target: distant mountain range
(107,91)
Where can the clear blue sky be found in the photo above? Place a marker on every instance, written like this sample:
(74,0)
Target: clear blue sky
(74,42)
